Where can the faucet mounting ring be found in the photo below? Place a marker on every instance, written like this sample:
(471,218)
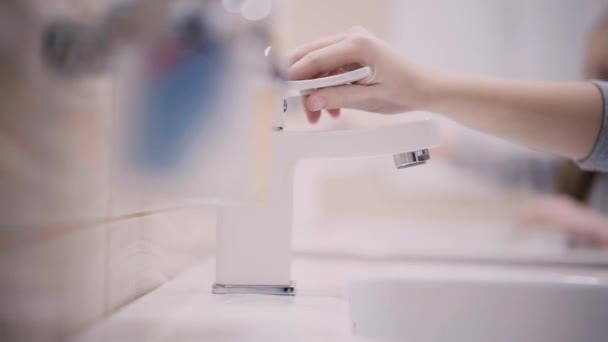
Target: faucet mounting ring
(289,290)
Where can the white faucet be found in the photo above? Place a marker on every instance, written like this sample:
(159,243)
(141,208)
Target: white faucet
(254,242)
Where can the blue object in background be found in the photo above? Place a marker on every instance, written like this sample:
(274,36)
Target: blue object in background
(179,95)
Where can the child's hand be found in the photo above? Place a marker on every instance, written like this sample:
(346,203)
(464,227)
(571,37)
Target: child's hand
(394,86)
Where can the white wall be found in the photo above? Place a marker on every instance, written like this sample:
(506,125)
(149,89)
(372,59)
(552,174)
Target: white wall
(540,39)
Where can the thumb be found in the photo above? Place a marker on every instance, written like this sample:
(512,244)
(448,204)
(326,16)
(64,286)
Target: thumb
(348,96)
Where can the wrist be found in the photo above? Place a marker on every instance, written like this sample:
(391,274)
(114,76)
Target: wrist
(429,89)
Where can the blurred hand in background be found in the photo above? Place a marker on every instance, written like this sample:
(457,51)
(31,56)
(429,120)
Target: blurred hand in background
(585,226)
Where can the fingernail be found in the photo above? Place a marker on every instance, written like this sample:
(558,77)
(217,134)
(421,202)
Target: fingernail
(317,103)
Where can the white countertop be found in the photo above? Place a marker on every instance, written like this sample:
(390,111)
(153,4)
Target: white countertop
(185,310)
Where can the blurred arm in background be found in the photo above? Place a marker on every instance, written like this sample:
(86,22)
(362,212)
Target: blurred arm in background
(580,208)
(508,167)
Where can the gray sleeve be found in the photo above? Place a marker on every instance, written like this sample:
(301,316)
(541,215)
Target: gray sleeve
(598,159)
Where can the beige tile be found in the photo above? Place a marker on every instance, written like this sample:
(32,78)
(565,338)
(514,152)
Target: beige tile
(61,269)
(331,17)
(145,252)
(53,129)
(52,287)
(55,161)
(53,186)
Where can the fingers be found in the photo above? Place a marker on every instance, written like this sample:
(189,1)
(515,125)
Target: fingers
(335,112)
(312,116)
(348,96)
(327,59)
(302,51)
(330,56)
(315,116)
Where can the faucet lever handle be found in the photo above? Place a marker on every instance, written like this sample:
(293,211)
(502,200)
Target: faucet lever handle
(303,87)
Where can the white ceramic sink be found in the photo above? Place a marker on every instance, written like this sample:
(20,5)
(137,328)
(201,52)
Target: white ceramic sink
(471,306)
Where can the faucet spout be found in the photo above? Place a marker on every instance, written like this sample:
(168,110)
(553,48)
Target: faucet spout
(409,159)
(359,143)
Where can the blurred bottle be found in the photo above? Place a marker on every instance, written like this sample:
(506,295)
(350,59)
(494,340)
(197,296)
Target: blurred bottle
(197,113)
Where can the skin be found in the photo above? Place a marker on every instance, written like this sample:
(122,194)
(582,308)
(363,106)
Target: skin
(596,63)
(559,118)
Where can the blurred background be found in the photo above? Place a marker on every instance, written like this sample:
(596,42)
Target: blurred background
(470,196)
(75,246)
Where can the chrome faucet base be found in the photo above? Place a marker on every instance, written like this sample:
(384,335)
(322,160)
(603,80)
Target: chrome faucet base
(273,290)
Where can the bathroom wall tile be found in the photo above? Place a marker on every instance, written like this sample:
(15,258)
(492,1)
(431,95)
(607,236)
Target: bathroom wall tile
(56,157)
(53,194)
(148,250)
(63,266)
(125,202)
(52,287)
(300,13)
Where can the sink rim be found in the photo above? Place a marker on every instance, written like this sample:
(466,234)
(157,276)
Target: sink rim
(475,305)
(487,276)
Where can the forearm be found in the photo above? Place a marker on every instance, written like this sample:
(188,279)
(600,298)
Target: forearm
(560,118)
